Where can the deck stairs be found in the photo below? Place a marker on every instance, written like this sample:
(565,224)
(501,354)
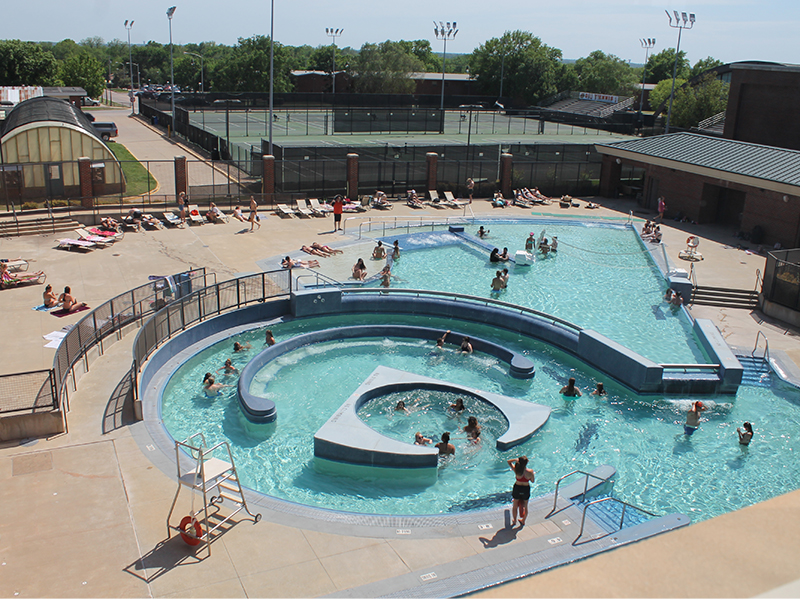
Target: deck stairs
(43,225)
(756,371)
(724,297)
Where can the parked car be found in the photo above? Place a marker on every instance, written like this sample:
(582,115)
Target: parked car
(106,130)
(87,101)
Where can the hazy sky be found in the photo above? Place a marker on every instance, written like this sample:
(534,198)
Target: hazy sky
(729,30)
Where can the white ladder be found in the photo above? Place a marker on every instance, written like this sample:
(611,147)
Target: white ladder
(206,473)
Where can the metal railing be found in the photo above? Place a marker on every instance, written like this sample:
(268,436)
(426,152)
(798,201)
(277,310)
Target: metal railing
(585,487)
(318,277)
(691,367)
(759,280)
(387,222)
(204,303)
(712,120)
(617,107)
(31,391)
(759,335)
(625,505)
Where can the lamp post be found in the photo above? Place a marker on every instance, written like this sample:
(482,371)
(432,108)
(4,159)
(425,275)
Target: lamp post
(680,24)
(647,44)
(202,80)
(502,73)
(130,59)
(138,76)
(444,33)
(170,12)
(334,33)
(271,68)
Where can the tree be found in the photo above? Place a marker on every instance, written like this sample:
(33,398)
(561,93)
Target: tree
(384,68)
(661,92)
(247,68)
(26,63)
(694,103)
(605,74)
(660,65)
(704,64)
(530,68)
(321,59)
(83,70)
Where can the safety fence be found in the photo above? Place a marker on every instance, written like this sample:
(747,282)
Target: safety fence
(207,302)
(782,278)
(31,391)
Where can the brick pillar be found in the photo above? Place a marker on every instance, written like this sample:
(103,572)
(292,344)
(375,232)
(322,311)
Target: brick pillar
(609,176)
(181,176)
(352,176)
(506,165)
(268,178)
(85,178)
(432,159)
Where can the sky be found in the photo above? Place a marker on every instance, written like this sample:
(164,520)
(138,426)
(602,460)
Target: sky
(728,30)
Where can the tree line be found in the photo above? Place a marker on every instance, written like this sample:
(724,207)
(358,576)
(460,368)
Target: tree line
(519,63)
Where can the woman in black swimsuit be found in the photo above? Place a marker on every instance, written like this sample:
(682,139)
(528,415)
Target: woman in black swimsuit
(521,492)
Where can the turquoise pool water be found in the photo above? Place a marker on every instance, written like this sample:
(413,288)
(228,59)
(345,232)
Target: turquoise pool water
(658,467)
(601,278)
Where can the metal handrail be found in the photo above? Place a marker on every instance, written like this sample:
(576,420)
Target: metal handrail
(408,222)
(317,277)
(476,299)
(621,520)
(686,367)
(759,279)
(585,487)
(759,335)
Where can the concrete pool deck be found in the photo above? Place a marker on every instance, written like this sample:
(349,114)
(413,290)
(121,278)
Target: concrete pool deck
(85,511)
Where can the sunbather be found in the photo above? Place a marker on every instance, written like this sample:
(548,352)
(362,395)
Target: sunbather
(69,301)
(214,215)
(326,249)
(109,223)
(50,300)
(314,251)
(237,214)
(11,280)
(290,263)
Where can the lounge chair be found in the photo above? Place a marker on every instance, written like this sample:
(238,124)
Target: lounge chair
(435,202)
(315,205)
(222,216)
(284,211)
(381,204)
(152,222)
(453,202)
(172,219)
(302,210)
(101,241)
(194,214)
(9,280)
(130,223)
(82,245)
(16,264)
(112,235)
(316,212)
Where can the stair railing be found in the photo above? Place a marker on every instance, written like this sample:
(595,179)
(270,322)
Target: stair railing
(585,487)
(759,280)
(625,505)
(759,335)
(16,218)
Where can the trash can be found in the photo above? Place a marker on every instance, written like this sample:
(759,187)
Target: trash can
(155,120)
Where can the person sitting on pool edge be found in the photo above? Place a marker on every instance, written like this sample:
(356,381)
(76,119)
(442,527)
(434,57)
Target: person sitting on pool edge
(379,253)
(466,346)
(445,447)
(360,270)
(747,435)
(570,389)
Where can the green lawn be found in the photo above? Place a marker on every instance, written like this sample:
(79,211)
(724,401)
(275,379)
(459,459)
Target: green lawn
(138,179)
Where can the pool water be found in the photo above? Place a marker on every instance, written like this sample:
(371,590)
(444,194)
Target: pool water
(658,467)
(601,278)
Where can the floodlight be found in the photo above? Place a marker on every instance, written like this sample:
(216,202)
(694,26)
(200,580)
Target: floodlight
(131,23)
(685,17)
(669,16)
(171,11)
(454,25)
(126,23)
(691,17)
(677,16)
(441,26)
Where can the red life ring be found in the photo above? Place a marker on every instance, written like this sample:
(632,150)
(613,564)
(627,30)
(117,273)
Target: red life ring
(198,531)
(692,241)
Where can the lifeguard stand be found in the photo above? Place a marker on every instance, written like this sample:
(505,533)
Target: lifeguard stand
(206,473)
(691,253)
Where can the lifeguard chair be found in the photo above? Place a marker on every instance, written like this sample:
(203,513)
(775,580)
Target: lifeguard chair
(691,253)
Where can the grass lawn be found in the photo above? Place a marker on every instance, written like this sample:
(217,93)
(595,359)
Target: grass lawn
(139,180)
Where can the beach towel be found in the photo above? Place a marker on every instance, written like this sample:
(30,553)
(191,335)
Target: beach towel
(64,313)
(43,308)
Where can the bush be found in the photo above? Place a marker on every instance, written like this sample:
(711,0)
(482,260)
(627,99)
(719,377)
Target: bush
(30,206)
(60,203)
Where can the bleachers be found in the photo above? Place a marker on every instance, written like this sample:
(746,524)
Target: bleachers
(591,108)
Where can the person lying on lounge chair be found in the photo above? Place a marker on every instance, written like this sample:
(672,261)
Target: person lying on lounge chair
(14,279)
(290,263)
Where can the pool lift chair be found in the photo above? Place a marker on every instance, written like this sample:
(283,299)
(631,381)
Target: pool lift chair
(204,473)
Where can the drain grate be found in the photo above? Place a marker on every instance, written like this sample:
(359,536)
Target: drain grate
(31,463)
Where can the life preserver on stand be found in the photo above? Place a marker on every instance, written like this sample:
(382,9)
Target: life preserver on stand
(189,521)
(692,241)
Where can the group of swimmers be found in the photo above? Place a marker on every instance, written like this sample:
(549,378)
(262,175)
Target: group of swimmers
(472,429)
(210,385)
(570,390)
(672,297)
(651,232)
(545,246)
(745,432)
(500,281)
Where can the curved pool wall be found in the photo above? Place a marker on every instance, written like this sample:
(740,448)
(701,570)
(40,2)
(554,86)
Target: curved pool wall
(262,410)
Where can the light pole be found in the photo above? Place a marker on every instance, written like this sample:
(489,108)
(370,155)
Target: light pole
(444,33)
(138,76)
(202,80)
(647,44)
(502,73)
(170,12)
(680,24)
(334,33)
(130,59)
(271,68)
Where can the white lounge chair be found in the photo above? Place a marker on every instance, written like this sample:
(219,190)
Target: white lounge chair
(434,201)
(458,203)
(101,241)
(284,211)
(314,211)
(194,214)
(16,265)
(315,205)
(302,210)
(172,219)
(82,245)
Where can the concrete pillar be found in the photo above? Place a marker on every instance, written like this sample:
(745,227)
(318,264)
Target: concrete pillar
(609,176)
(268,178)
(432,159)
(506,164)
(352,176)
(85,178)
(181,176)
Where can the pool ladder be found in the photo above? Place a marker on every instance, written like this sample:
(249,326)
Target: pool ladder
(206,473)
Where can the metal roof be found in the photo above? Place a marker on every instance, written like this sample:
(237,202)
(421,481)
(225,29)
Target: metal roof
(44,109)
(766,163)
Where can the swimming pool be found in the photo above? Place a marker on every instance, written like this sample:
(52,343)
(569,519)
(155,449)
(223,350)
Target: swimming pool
(658,467)
(601,278)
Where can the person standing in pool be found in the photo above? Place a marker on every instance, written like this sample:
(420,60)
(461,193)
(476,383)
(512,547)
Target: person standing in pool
(693,417)
(498,283)
(396,250)
(466,346)
(472,429)
(570,389)
(440,341)
(269,338)
(521,492)
(421,440)
(747,435)
(445,447)
(530,242)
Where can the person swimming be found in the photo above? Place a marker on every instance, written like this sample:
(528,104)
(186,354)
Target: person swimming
(458,406)
(472,429)
(421,440)
(570,389)
(747,435)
